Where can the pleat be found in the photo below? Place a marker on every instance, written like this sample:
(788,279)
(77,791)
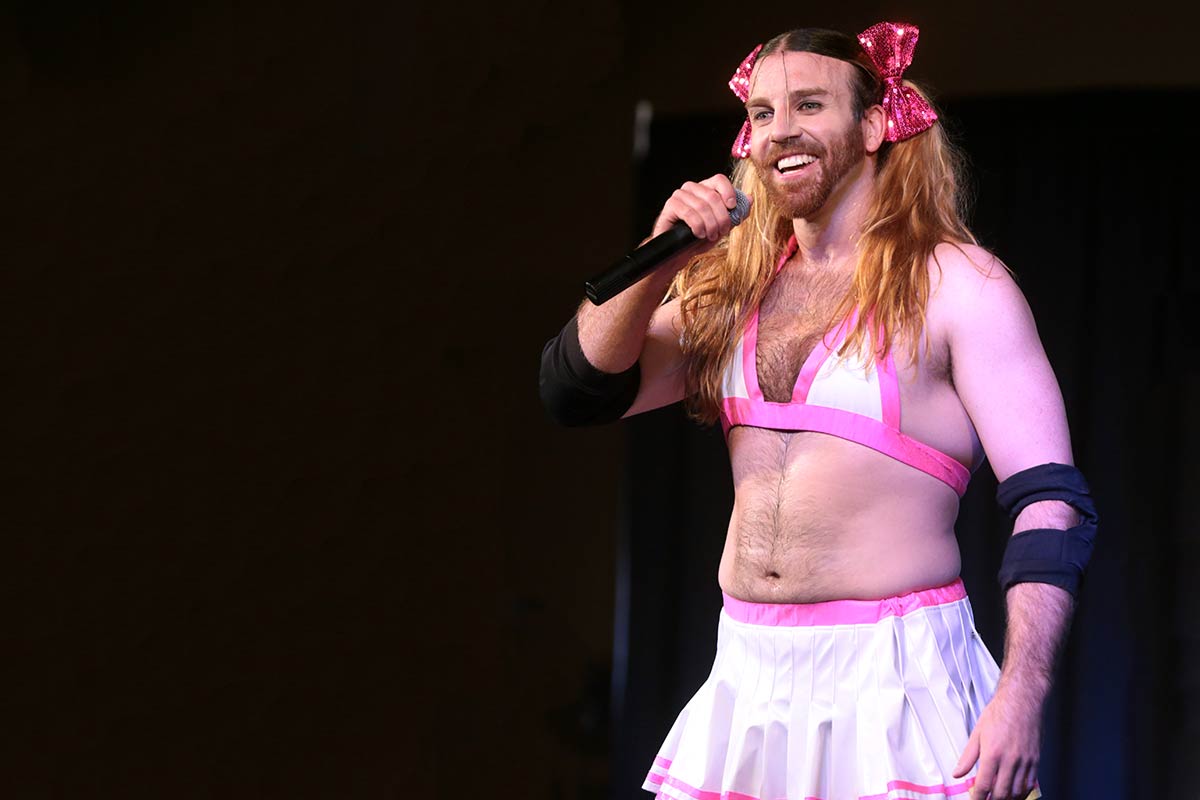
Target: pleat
(835,712)
(843,772)
(984,671)
(874,643)
(801,659)
(726,705)
(775,737)
(945,619)
(743,761)
(721,705)
(941,712)
(917,735)
(817,756)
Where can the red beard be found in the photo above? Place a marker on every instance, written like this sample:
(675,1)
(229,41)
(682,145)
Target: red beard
(806,197)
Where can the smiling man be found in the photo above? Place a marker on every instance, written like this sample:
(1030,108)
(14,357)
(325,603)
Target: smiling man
(863,355)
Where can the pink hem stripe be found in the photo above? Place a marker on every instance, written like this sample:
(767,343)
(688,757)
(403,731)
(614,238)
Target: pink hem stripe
(939,790)
(841,612)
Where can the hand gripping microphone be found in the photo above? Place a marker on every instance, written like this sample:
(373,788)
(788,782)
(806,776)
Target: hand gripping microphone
(633,267)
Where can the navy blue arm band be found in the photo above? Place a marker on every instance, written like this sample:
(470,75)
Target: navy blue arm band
(1042,555)
(575,393)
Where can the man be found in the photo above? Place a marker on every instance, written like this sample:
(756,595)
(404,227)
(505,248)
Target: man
(863,354)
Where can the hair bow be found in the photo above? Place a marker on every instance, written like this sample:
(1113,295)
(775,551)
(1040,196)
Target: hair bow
(739,84)
(890,47)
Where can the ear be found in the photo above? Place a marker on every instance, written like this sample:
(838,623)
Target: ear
(874,126)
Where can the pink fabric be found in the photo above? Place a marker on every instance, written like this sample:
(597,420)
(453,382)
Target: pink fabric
(739,84)
(850,426)
(833,711)
(889,389)
(885,436)
(841,612)
(939,790)
(890,47)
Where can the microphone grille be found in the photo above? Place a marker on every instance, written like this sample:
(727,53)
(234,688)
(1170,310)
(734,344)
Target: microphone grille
(741,210)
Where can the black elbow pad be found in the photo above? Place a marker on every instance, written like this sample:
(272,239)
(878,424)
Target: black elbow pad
(1048,556)
(574,392)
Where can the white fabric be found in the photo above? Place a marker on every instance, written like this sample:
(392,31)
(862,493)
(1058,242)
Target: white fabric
(848,386)
(733,382)
(837,712)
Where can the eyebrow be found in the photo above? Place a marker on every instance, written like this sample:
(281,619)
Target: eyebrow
(815,91)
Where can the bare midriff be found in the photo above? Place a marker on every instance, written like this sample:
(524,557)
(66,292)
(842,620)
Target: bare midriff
(816,518)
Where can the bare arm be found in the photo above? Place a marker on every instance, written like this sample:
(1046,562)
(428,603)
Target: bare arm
(587,372)
(1008,388)
(612,334)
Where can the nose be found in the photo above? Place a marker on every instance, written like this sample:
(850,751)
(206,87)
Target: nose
(786,126)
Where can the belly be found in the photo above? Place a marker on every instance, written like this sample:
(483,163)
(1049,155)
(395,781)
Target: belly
(818,518)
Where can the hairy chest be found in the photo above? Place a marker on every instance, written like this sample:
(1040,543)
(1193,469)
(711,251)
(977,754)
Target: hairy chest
(805,305)
(797,312)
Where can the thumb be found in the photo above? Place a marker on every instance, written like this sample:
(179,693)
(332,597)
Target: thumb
(969,757)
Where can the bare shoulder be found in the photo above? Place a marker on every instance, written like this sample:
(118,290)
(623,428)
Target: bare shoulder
(969,285)
(959,270)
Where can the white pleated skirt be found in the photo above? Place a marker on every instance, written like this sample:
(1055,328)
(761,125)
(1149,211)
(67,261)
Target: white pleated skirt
(842,700)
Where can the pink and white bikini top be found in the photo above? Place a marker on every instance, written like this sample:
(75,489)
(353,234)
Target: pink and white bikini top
(832,395)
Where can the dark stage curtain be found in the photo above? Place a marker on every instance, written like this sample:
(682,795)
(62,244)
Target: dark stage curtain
(1091,199)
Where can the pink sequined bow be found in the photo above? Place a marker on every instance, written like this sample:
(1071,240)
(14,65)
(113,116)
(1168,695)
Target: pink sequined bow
(739,84)
(890,47)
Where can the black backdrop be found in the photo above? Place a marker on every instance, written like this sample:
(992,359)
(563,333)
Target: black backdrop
(1098,227)
(283,516)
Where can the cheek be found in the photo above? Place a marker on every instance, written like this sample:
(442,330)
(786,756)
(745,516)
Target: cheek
(758,146)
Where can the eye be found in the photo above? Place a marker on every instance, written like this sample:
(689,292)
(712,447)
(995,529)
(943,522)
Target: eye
(760,114)
(810,105)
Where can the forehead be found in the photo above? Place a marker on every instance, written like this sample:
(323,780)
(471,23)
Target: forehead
(783,72)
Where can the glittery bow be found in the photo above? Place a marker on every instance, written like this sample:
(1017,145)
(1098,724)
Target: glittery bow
(890,47)
(739,84)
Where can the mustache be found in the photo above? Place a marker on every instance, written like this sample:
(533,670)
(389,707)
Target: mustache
(783,151)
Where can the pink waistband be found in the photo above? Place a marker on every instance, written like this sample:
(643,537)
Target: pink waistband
(842,612)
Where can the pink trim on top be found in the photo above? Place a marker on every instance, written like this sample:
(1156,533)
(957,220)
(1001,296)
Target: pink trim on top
(935,790)
(849,426)
(885,436)
(889,391)
(812,365)
(749,359)
(841,612)
(750,335)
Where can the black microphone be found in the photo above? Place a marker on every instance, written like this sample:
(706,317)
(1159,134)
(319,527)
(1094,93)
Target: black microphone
(633,267)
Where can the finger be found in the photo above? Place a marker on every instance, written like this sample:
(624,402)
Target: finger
(702,209)
(681,207)
(1002,785)
(724,187)
(1025,780)
(985,779)
(969,756)
(714,207)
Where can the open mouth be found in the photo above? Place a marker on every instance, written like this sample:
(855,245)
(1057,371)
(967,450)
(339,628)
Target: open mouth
(791,165)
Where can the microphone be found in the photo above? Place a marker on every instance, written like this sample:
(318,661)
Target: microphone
(633,267)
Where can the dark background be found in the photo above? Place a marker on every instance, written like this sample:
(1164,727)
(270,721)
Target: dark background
(286,516)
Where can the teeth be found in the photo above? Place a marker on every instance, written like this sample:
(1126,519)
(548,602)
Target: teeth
(794,161)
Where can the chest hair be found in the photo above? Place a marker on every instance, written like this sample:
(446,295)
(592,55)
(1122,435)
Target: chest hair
(797,311)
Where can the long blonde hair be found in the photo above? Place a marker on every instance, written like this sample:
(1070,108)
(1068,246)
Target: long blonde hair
(918,204)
